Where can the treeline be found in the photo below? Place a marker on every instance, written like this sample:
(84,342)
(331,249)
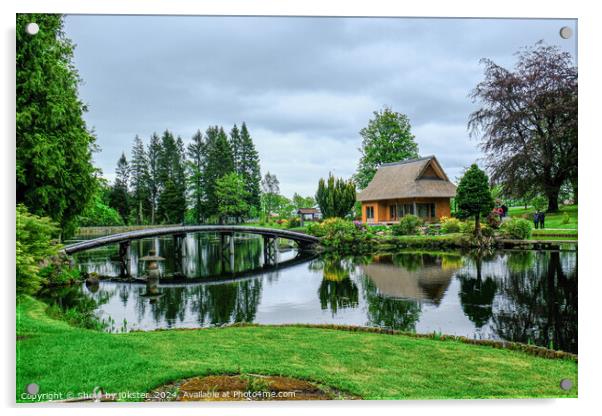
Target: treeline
(215,178)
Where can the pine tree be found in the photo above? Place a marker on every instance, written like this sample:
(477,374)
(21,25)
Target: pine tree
(139,180)
(473,196)
(171,206)
(153,155)
(120,198)
(219,163)
(236,145)
(196,166)
(248,167)
(55,175)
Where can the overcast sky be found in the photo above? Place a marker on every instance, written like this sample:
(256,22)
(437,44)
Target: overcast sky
(304,86)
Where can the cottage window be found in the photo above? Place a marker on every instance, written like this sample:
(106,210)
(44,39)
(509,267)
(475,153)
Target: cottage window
(426,210)
(370,213)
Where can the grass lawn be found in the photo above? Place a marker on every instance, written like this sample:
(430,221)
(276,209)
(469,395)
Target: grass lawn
(61,358)
(552,220)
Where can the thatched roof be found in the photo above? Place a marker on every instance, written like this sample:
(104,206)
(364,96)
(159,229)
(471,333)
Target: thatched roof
(415,178)
(307,211)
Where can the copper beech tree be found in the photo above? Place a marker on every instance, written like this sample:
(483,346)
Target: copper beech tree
(527,123)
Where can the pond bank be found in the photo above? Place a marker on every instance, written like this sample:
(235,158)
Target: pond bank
(365,364)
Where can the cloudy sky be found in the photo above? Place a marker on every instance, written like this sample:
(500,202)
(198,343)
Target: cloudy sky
(304,86)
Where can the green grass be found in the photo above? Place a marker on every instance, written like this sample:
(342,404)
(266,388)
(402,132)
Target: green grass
(61,358)
(554,220)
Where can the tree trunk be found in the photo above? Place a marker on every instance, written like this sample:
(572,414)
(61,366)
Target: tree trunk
(552,196)
(477,225)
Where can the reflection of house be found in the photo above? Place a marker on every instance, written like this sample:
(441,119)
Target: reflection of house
(308,214)
(429,282)
(417,186)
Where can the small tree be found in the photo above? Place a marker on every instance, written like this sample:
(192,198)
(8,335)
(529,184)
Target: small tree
(231,197)
(473,196)
(335,197)
(271,188)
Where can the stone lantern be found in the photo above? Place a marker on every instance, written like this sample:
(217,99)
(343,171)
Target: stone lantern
(152,277)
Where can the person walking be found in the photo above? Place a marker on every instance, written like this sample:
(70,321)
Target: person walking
(536,220)
(542,220)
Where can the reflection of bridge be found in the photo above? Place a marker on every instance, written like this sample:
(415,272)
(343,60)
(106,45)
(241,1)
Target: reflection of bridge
(226,232)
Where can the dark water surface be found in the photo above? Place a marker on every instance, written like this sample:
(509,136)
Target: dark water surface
(525,296)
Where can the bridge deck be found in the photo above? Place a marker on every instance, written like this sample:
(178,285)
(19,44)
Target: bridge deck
(157,232)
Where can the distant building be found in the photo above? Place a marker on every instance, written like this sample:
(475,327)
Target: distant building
(308,214)
(416,186)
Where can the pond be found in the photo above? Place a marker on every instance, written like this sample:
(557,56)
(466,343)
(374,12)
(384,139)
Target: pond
(524,296)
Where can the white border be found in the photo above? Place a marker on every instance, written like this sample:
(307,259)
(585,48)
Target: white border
(590,213)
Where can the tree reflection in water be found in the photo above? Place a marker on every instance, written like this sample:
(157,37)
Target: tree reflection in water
(476,294)
(337,290)
(539,304)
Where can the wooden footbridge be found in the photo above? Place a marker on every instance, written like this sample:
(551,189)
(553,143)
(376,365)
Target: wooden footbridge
(226,233)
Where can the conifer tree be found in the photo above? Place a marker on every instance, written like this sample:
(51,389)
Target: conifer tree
(171,205)
(153,155)
(335,197)
(139,180)
(195,167)
(119,197)
(236,145)
(54,171)
(219,162)
(473,196)
(248,167)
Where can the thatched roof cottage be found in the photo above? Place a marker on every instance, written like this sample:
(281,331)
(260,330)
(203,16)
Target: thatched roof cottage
(416,186)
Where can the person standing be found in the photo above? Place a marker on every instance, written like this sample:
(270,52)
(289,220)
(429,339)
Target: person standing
(536,220)
(542,220)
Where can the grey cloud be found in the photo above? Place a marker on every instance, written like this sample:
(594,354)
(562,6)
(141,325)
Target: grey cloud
(305,86)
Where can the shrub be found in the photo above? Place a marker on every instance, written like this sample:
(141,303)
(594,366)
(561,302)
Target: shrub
(341,235)
(34,244)
(450,225)
(294,222)
(408,225)
(494,220)
(517,228)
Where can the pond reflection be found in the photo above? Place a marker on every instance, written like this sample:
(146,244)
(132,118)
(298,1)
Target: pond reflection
(525,296)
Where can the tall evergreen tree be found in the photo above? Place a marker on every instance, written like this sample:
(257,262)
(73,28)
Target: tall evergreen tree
(171,205)
(139,180)
(335,196)
(153,155)
(219,163)
(196,166)
(55,175)
(120,198)
(473,196)
(248,167)
(236,145)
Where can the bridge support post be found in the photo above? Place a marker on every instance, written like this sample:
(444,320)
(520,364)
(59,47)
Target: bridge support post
(124,258)
(270,250)
(178,244)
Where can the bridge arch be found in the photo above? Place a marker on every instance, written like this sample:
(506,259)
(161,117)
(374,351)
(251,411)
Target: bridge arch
(303,240)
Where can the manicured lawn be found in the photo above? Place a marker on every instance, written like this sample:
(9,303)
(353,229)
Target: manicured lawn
(552,220)
(60,358)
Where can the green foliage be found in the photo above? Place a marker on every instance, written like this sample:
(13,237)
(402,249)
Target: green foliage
(387,138)
(408,225)
(231,197)
(99,214)
(119,197)
(140,182)
(336,197)
(55,175)
(294,222)
(539,203)
(303,202)
(341,235)
(473,196)
(450,225)
(517,228)
(246,163)
(171,177)
(35,243)
(271,189)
